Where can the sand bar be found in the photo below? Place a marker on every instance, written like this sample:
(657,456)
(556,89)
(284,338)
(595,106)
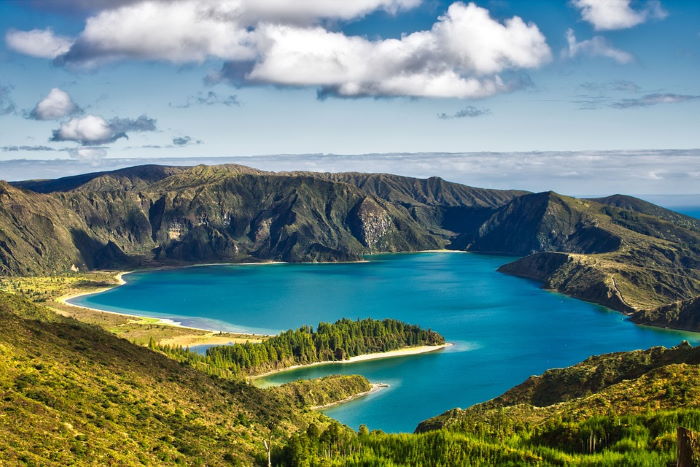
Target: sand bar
(406,351)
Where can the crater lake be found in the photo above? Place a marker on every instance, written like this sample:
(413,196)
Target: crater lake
(503,328)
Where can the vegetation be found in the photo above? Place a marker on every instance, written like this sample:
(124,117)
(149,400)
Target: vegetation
(74,394)
(635,440)
(329,342)
(44,289)
(616,409)
(49,289)
(324,391)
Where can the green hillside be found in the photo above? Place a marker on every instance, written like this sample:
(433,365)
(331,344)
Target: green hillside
(72,393)
(616,409)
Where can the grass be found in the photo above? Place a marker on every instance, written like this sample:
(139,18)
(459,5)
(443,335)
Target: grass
(48,290)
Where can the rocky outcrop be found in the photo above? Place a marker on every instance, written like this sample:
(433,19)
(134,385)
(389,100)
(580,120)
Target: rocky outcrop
(683,314)
(372,225)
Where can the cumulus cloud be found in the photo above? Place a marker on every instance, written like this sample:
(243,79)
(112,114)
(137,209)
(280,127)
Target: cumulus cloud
(301,11)
(179,32)
(654,99)
(194,30)
(597,46)
(461,56)
(94,130)
(468,112)
(7,105)
(617,14)
(208,99)
(465,54)
(42,43)
(56,105)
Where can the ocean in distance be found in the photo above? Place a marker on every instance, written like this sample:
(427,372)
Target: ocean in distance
(504,328)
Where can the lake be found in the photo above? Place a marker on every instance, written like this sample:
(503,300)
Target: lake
(504,328)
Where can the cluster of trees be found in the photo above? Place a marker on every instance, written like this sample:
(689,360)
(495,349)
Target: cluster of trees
(645,439)
(328,342)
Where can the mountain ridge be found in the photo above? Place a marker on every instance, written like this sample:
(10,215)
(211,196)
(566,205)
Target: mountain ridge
(617,251)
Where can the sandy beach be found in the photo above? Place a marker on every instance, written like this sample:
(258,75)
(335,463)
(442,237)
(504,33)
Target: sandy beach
(406,351)
(376,387)
(185,336)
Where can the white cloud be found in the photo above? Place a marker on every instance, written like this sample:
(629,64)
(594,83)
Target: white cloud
(56,105)
(42,43)
(596,46)
(302,11)
(310,11)
(281,42)
(460,56)
(92,129)
(194,30)
(184,31)
(86,130)
(617,14)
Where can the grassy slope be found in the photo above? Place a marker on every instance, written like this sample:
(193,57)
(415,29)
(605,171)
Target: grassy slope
(615,409)
(47,290)
(74,393)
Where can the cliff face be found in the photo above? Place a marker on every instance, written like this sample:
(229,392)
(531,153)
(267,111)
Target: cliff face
(153,215)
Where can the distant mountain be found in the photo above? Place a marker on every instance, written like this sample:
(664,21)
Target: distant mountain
(631,203)
(618,251)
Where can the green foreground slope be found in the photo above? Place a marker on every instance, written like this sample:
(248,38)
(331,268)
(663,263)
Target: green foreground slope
(615,409)
(72,393)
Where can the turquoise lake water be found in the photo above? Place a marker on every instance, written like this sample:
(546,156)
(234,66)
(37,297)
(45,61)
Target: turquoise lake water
(504,328)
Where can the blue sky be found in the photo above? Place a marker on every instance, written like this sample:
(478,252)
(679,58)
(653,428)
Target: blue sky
(242,77)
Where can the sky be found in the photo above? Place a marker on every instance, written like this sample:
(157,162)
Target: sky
(600,94)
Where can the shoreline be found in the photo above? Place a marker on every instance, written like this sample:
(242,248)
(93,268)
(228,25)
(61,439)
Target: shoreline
(63,300)
(403,352)
(199,336)
(119,276)
(376,387)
